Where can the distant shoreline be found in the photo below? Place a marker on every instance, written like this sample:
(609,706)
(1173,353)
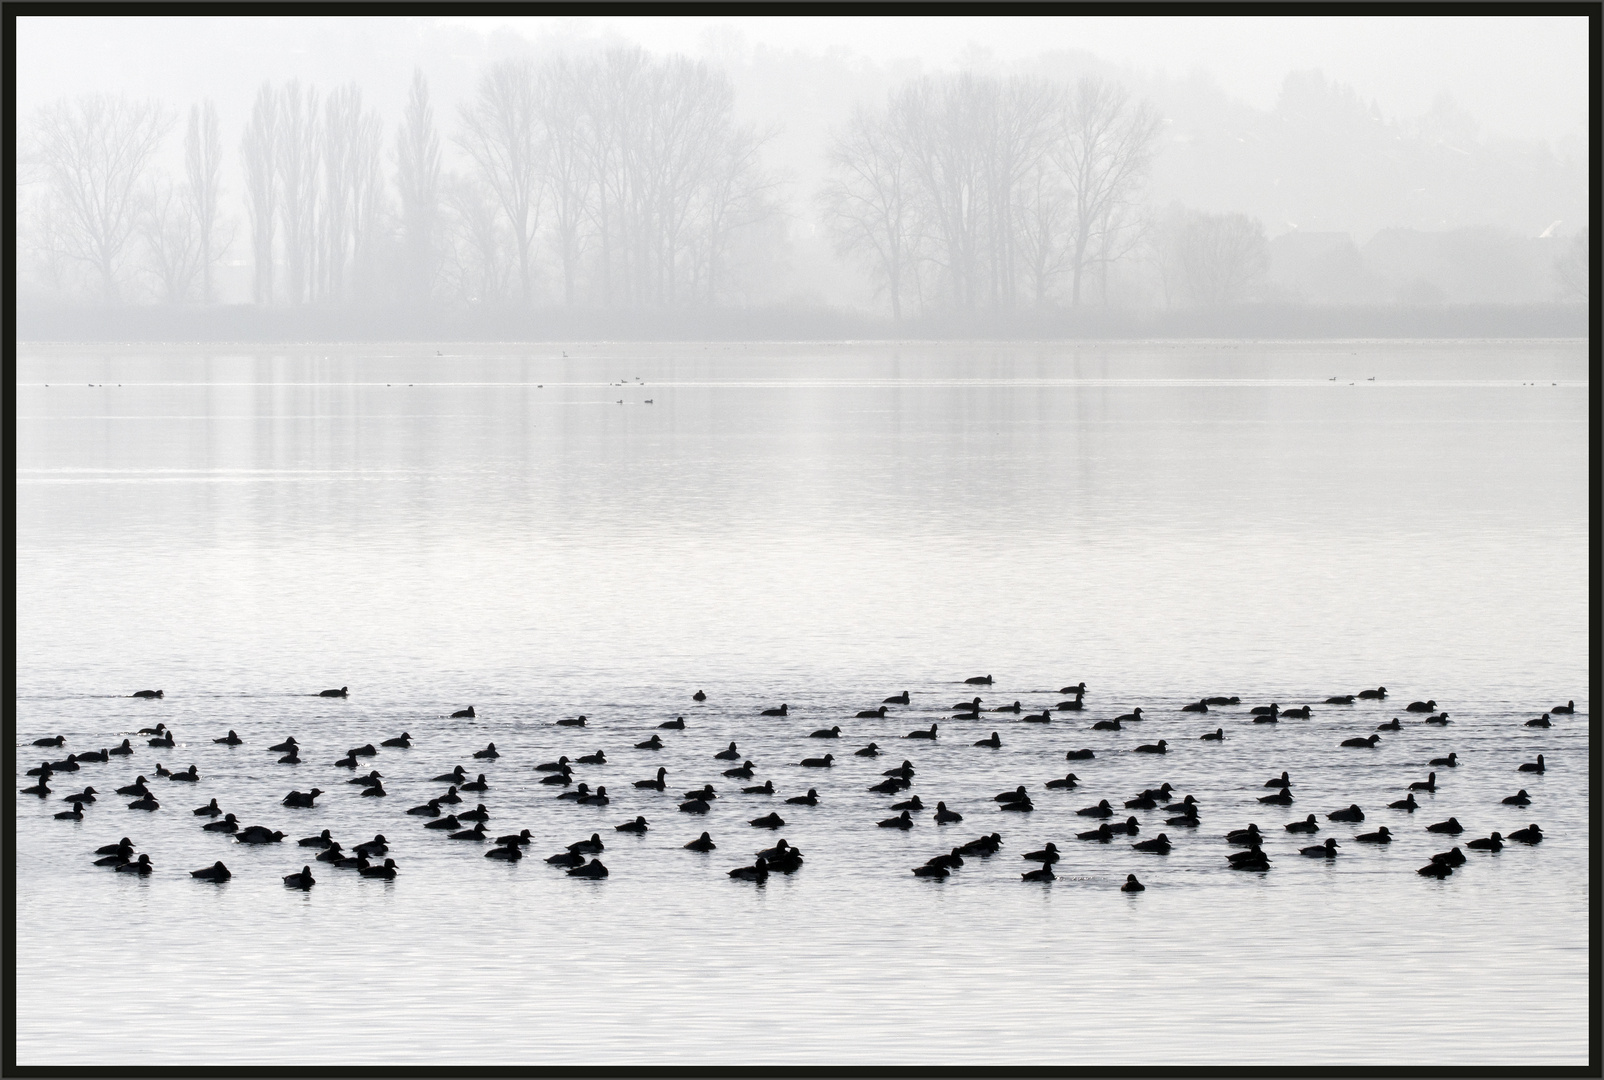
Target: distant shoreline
(243,324)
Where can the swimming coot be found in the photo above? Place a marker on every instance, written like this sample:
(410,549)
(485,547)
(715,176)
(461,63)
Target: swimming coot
(676,724)
(901,821)
(1529,835)
(781,711)
(1381,836)
(810,799)
(729,753)
(872,750)
(1451,826)
(1421,706)
(1132,885)
(1349,813)
(1495,842)
(593,870)
(931,734)
(702,843)
(637,826)
(230,739)
(303,880)
(1067,783)
(1378,694)
(824,762)
(343,691)
(216,872)
(1217,735)
(1533,766)
(403,740)
(1368,742)
(1328,850)
(898,699)
(945,816)
(994,741)
(1520,798)
(464,714)
(1307,825)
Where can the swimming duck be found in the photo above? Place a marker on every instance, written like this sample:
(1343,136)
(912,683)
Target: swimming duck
(676,724)
(54,740)
(1451,826)
(118,855)
(349,761)
(1328,850)
(1271,709)
(403,740)
(866,714)
(1307,825)
(905,771)
(758,872)
(334,853)
(230,739)
(387,871)
(694,806)
(1015,795)
(740,772)
(448,822)
(939,872)
(370,780)
(1378,694)
(598,758)
(1159,845)
(1188,819)
(1082,754)
(284,747)
(1101,810)
(300,798)
(75,814)
(1132,885)
(699,696)
(229,824)
(560,765)
(581,792)
(1541,721)
(1153,748)
(216,872)
(142,867)
(773,821)
(1018,806)
(1048,854)
(1441,720)
(490,752)
(913,804)
(1494,842)
(161,770)
(521,837)
(1044,873)
(475,833)
(705,792)
(1247,836)
(303,880)
(1391,725)
(341,692)
(781,711)
(1014,708)
(902,821)
(291,758)
(101,755)
(653,743)
(898,699)
(1079,689)
(473,785)
(1282,781)
(810,799)
(505,853)
(824,762)
(1421,706)
(1283,797)
(1217,735)
(147,803)
(1451,761)
(1196,706)
(572,721)
(163,740)
(1453,857)
(138,787)
(1222,701)
(985,846)
(931,734)
(1533,766)
(1428,784)
(637,826)
(1102,834)
(1141,802)
(995,741)
(1520,798)
(258,834)
(593,869)
(945,816)
(1340,699)
(702,843)
(1350,813)
(658,784)
(1067,783)
(87,795)
(1302,713)
(1368,742)
(729,753)
(599,798)
(428,809)
(1435,870)
(125,846)
(971,706)
(321,840)
(464,714)
(1255,860)
(1381,836)
(1106,725)
(979,680)
(481,814)
(1529,835)
(1406,803)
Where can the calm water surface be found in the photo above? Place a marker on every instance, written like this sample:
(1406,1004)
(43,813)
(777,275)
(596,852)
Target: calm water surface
(821,525)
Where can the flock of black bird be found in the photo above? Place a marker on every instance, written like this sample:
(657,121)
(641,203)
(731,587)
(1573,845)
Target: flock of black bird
(443,813)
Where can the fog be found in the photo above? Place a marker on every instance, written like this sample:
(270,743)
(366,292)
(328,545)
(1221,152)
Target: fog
(794,176)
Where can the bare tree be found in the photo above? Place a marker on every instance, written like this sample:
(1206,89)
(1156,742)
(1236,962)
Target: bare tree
(203,161)
(260,153)
(501,133)
(93,152)
(1107,148)
(476,262)
(171,230)
(297,160)
(417,180)
(867,203)
(568,180)
(347,211)
(1219,258)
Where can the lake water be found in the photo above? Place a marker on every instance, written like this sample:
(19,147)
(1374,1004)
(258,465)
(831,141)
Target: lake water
(823,525)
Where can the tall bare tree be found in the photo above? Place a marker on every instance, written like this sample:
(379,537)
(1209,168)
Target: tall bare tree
(1218,258)
(93,152)
(259,151)
(501,132)
(297,160)
(868,202)
(1107,149)
(417,181)
(171,231)
(203,162)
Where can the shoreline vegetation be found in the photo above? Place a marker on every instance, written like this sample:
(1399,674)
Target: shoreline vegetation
(254,323)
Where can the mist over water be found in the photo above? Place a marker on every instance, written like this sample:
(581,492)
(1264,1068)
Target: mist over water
(606,532)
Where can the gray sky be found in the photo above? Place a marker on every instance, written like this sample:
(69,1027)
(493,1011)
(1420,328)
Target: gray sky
(1519,76)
